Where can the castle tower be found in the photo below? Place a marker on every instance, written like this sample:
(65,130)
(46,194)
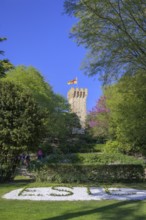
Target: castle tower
(77,99)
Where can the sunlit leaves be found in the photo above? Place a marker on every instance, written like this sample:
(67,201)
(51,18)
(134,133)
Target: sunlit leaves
(114,34)
(127,103)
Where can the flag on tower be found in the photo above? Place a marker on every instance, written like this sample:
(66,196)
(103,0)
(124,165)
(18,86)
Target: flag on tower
(74,81)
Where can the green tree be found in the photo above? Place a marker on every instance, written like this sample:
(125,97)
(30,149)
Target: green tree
(1,40)
(113,31)
(5,64)
(127,103)
(62,121)
(31,80)
(22,126)
(59,121)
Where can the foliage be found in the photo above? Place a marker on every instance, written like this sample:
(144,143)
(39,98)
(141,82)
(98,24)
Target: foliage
(82,143)
(5,64)
(127,104)
(73,173)
(98,147)
(114,34)
(63,123)
(21,126)
(116,147)
(32,81)
(98,119)
(88,158)
(59,121)
(77,143)
(1,40)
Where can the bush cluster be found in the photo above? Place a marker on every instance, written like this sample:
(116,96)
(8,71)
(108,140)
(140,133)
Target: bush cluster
(73,173)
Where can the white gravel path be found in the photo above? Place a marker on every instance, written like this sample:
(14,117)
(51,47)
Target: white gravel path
(77,193)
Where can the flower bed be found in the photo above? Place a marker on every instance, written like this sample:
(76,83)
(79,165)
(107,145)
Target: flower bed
(75,194)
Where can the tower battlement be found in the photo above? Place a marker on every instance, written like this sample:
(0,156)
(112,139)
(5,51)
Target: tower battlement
(77,93)
(77,99)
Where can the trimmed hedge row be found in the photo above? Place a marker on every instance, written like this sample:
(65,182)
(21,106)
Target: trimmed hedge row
(70,173)
(7,172)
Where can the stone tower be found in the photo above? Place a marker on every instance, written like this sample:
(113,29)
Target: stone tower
(77,99)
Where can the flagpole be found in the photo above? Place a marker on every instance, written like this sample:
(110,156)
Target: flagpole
(77,82)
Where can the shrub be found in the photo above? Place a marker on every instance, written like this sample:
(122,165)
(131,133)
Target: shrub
(116,147)
(98,148)
(69,173)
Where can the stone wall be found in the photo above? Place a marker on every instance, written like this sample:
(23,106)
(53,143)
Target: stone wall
(77,99)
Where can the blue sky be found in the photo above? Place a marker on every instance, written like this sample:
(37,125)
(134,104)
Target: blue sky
(37,34)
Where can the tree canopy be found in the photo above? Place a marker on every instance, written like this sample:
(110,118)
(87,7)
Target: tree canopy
(127,103)
(31,80)
(59,120)
(5,64)
(113,31)
(22,126)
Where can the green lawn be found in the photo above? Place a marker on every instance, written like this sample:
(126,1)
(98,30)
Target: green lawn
(88,210)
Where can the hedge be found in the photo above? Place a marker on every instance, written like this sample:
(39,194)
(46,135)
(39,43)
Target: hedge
(70,173)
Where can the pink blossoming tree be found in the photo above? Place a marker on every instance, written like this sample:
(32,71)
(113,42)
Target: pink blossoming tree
(98,119)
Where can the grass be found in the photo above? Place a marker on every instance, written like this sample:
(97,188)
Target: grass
(92,158)
(88,210)
(105,158)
